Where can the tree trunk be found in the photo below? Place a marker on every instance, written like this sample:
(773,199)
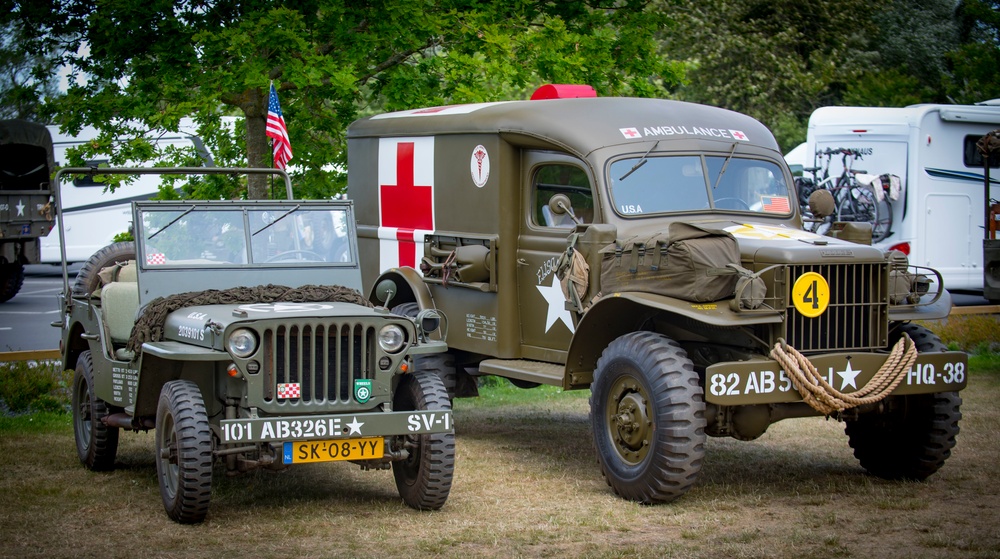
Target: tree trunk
(254,105)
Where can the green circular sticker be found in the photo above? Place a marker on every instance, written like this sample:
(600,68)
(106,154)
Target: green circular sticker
(811,294)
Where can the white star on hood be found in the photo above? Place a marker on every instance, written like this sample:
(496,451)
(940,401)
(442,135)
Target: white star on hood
(557,305)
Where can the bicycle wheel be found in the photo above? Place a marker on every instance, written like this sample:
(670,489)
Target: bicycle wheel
(858,204)
(882,227)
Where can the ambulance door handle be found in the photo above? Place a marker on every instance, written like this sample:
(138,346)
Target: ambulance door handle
(522,262)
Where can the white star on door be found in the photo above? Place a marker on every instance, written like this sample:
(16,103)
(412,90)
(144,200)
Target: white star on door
(557,305)
(20,207)
(848,377)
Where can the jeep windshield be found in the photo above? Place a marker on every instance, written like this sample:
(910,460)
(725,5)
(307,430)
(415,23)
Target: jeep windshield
(668,184)
(205,235)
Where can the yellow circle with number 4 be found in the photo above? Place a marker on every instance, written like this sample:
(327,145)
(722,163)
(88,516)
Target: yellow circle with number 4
(811,294)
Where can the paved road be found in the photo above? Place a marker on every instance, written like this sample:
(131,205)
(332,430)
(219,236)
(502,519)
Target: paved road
(25,320)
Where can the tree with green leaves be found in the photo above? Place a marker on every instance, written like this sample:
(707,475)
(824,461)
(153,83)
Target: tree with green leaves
(27,77)
(779,60)
(975,63)
(140,65)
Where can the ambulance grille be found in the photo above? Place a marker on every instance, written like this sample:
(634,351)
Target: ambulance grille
(323,359)
(857,316)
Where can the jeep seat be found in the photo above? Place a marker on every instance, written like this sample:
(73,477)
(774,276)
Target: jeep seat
(119,304)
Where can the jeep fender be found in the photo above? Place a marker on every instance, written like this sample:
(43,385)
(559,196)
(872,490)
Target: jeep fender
(620,313)
(410,288)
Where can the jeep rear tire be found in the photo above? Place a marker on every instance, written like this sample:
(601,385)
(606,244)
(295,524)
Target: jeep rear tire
(87,281)
(96,443)
(183,452)
(424,477)
(647,414)
(914,436)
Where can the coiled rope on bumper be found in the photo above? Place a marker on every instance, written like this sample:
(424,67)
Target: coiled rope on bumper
(818,393)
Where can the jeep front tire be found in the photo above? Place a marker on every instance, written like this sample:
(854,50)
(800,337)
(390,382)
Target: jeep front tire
(424,477)
(183,452)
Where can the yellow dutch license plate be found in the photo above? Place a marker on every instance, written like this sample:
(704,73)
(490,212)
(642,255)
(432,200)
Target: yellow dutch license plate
(302,452)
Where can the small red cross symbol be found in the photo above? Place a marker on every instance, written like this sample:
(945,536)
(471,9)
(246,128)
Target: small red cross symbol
(630,132)
(406,206)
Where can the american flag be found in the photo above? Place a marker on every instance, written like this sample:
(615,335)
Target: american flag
(776,204)
(277,130)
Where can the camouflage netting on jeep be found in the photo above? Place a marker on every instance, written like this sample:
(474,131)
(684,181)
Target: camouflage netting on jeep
(149,326)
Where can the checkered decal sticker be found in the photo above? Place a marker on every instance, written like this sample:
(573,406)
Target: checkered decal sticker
(289,390)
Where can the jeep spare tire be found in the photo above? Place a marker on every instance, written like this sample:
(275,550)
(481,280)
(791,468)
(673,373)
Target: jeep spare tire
(87,279)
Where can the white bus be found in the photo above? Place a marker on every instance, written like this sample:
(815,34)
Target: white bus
(938,219)
(92,217)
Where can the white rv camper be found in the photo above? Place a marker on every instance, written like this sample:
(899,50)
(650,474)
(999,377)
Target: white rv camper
(938,218)
(93,216)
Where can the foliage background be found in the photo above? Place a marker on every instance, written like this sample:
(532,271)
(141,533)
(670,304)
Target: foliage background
(130,67)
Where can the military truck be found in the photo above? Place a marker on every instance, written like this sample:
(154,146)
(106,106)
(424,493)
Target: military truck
(653,252)
(26,211)
(236,331)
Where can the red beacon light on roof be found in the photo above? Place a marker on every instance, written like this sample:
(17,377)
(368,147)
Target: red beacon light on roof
(562,91)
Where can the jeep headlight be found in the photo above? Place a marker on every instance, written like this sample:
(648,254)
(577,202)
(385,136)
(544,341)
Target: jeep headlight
(242,342)
(391,338)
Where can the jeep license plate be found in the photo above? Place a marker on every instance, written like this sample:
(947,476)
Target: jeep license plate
(329,451)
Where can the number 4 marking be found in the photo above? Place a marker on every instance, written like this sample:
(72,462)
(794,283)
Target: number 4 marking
(811,295)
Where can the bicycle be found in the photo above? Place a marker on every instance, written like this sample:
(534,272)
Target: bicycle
(853,201)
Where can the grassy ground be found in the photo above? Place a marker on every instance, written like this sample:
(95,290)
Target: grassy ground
(527,484)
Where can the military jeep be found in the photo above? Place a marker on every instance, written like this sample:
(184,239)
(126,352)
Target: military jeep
(653,252)
(236,331)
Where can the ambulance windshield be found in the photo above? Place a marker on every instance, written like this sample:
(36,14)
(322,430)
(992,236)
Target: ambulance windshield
(688,183)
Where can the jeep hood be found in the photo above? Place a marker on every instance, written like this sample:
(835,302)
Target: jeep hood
(206,325)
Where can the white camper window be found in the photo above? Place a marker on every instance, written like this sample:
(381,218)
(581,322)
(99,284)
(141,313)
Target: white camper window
(971,156)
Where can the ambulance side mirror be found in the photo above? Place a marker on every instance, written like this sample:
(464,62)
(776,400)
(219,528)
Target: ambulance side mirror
(559,204)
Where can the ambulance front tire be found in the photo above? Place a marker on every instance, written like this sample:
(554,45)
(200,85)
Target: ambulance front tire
(912,436)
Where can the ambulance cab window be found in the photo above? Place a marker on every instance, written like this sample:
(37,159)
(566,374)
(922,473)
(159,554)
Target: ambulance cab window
(570,181)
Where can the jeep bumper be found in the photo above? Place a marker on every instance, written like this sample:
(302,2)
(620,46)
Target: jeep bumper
(340,426)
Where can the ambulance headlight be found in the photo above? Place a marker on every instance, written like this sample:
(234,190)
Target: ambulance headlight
(391,338)
(242,342)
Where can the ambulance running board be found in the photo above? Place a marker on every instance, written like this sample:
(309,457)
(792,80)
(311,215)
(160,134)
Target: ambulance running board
(522,369)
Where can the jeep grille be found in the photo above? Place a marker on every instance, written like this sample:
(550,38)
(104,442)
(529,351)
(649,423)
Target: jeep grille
(857,317)
(324,359)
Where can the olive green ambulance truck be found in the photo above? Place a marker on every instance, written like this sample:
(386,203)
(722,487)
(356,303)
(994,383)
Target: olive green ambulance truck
(653,252)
